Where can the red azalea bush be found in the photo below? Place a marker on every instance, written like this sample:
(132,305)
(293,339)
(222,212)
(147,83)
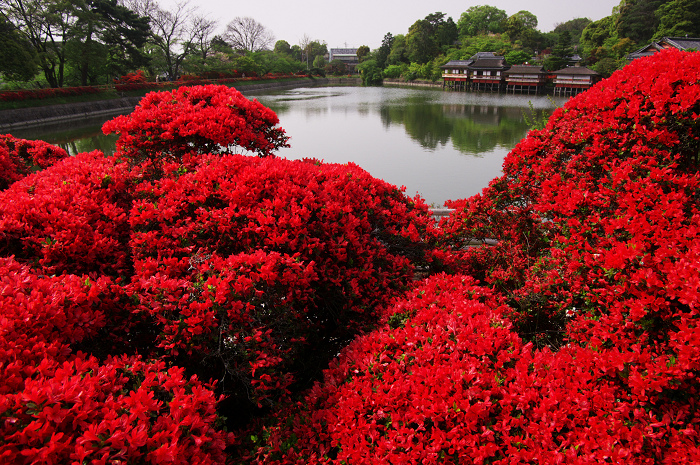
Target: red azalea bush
(71,217)
(249,265)
(139,77)
(607,191)
(18,157)
(447,380)
(42,316)
(197,120)
(120,411)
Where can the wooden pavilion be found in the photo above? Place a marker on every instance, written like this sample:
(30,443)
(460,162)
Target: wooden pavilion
(525,79)
(574,80)
(455,74)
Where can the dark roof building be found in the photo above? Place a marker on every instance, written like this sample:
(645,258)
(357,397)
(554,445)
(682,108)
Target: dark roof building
(680,43)
(346,55)
(486,71)
(525,78)
(574,80)
(455,74)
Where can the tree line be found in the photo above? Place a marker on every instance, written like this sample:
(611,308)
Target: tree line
(602,45)
(85,42)
(57,43)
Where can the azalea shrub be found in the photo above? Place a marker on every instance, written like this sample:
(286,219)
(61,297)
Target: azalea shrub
(19,157)
(191,121)
(138,289)
(120,411)
(258,269)
(72,217)
(448,380)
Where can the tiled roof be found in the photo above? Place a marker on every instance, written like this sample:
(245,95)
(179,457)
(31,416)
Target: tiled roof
(343,51)
(575,70)
(457,64)
(683,43)
(489,63)
(525,69)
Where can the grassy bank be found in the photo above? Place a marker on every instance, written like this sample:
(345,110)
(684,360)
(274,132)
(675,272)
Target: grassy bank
(111,93)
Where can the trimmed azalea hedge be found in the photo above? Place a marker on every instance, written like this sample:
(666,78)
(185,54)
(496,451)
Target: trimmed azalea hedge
(156,300)
(19,157)
(139,290)
(137,81)
(579,340)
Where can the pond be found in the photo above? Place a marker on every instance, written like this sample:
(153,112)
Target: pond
(440,145)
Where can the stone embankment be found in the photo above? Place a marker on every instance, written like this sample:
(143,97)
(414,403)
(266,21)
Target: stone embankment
(28,117)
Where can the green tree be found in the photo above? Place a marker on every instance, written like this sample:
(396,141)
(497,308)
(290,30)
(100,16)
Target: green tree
(18,59)
(319,62)
(370,73)
(678,18)
(106,40)
(362,52)
(427,36)
(384,50)
(282,47)
(478,20)
(336,67)
(517,57)
(46,24)
(637,19)
(561,53)
(597,34)
(520,25)
(420,44)
(575,27)
(398,53)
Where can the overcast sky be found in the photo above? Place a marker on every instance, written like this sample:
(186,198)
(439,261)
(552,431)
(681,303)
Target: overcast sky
(364,22)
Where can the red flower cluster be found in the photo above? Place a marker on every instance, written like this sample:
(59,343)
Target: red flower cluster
(247,261)
(58,406)
(583,347)
(139,77)
(250,271)
(19,157)
(447,380)
(190,121)
(72,217)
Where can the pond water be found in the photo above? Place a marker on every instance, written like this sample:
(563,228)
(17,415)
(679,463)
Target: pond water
(440,145)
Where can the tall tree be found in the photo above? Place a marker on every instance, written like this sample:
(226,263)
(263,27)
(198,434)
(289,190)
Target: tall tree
(574,26)
(478,20)
(18,60)
(420,42)
(204,36)
(678,18)
(520,25)
(246,34)
(47,25)
(173,35)
(426,36)
(362,52)
(107,34)
(384,50)
(282,47)
(637,19)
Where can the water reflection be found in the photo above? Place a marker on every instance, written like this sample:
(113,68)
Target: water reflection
(440,145)
(431,118)
(74,137)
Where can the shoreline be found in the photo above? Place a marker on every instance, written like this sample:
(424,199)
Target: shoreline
(23,118)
